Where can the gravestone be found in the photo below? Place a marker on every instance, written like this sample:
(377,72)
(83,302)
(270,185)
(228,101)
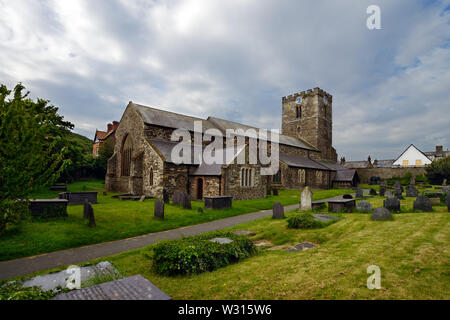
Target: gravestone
(278,211)
(86,209)
(199,210)
(275,191)
(392,204)
(373,192)
(186,201)
(380,214)
(448,201)
(268,192)
(91,216)
(444,183)
(411,191)
(423,204)
(398,193)
(176,200)
(306,200)
(382,191)
(388,194)
(412,182)
(159,210)
(364,206)
(142,199)
(359,193)
(166,196)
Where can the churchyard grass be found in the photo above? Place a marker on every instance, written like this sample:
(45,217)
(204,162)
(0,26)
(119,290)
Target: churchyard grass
(412,252)
(118,219)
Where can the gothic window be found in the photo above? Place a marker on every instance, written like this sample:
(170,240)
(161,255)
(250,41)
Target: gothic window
(127,149)
(298,112)
(301,176)
(277,178)
(151,176)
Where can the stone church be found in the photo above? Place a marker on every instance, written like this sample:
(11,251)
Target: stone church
(142,162)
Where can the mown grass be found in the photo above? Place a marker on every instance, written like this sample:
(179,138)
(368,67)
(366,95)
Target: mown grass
(412,252)
(117,219)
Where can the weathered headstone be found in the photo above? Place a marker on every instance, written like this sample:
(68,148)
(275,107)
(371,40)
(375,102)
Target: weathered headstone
(373,192)
(275,191)
(142,199)
(392,204)
(380,214)
(398,193)
(166,196)
(388,194)
(364,206)
(424,204)
(306,200)
(382,191)
(411,191)
(176,200)
(91,216)
(86,209)
(186,201)
(159,210)
(278,211)
(359,193)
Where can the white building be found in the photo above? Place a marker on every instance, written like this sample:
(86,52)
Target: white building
(412,157)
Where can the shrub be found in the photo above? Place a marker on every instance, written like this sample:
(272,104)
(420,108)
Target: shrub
(14,291)
(439,170)
(193,255)
(304,221)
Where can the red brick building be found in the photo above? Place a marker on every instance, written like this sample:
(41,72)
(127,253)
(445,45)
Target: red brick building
(102,136)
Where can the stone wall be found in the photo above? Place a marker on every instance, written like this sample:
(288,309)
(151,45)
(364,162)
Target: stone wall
(387,173)
(211,186)
(175,178)
(232,175)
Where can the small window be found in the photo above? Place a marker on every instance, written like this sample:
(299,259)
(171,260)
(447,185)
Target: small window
(405,163)
(151,176)
(418,162)
(298,112)
(277,178)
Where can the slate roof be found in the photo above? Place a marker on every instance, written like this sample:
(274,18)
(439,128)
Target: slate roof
(332,165)
(301,162)
(345,175)
(175,120)
(223,125)
(356,164)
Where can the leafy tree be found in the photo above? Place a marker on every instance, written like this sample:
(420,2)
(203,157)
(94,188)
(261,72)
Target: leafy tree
(33,150)
(439,170)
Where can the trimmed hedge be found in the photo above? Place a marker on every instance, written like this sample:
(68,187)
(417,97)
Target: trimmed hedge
(193,255)
(306,221)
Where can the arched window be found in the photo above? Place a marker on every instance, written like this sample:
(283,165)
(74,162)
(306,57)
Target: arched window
(127,149)
(277,178)
(298,112)
(151,176)
(246,177)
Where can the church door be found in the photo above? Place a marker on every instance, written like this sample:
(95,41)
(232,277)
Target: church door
(199,189)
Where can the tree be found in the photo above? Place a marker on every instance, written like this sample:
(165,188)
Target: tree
(33,150)
(439,170)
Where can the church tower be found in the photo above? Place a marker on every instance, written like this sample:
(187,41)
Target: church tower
(308,115)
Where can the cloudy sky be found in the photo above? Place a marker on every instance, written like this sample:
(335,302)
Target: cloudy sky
(235,59)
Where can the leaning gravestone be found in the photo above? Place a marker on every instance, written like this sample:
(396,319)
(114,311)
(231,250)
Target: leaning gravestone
(166,196)
(277,211)
(91,216)
(373,192)
(159,210)
(306,200)
(86,209)
(364,206)
(186,201)
(380,214)
(392,204)
(382,191)
(359,193)
(142,199)
(411,191)
(423,204)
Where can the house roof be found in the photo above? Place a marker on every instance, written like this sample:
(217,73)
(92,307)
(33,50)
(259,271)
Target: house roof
(345,175)
(100,135)
(301,162)
(411,145)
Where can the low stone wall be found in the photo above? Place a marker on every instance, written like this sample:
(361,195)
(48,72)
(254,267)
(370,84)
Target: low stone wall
(78,197)
(389,172)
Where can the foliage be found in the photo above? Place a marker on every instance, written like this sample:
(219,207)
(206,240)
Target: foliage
(198,254)
(439,170)
(14,291)
(33,152)
(304,221)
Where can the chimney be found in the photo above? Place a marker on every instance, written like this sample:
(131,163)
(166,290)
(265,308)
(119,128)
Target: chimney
(115,124)
(110,127)
(439,151)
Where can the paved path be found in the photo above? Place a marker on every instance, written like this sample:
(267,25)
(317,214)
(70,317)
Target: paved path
(24,266)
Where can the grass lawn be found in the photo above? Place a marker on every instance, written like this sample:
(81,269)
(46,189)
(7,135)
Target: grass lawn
(117,219)
(412,252)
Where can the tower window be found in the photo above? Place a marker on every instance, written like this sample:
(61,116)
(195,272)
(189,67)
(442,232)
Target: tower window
(299,112)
